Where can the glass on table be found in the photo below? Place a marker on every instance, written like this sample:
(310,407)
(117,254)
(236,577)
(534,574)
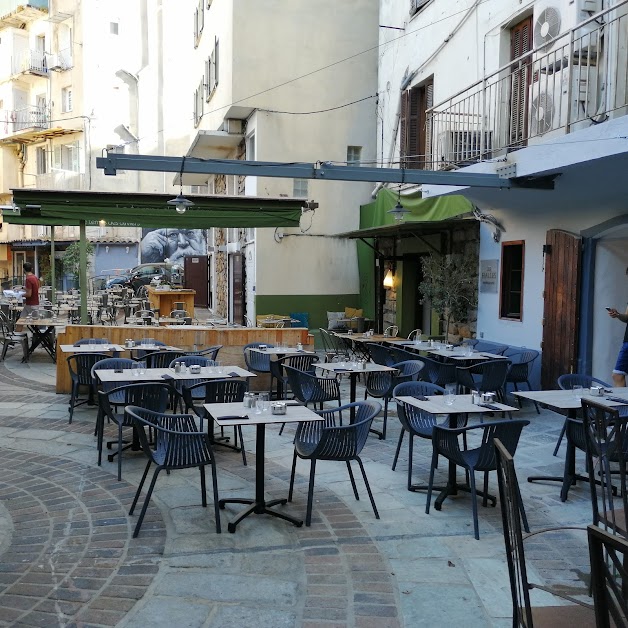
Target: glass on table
(135,369)
(577,390)
(141,367)
(450,394)
(262,403)
(220,369)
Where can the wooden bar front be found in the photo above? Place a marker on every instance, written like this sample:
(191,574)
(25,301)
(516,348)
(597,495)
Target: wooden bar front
(164,300)
(185,336)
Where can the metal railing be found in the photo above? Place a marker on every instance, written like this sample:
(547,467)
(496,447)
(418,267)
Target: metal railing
(31,117)
(575,80)
(32,61)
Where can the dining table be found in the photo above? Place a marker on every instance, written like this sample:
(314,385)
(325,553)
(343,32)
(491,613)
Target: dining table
(128,376)
(458,410)
(569,402)
(43,334)
(114,349)
(353,370)
(233,414)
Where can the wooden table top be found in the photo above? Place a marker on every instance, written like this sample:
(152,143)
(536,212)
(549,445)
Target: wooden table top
(157,375)
(568,400)
(91,348)
(350,367)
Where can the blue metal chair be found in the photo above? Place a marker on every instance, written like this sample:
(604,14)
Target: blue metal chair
(149,395)
(309,388)
(256,361)
(519,371)
(439,373)
(216,391)
(446,443)
(413,420)
(380,354)
(325,440)
(177,445)
(301,362)
(380,384)
(162,359)
(80,366)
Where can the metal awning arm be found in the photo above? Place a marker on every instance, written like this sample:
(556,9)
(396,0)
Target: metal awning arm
(321,171)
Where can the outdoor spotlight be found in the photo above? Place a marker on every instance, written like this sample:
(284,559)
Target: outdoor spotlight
(180,203)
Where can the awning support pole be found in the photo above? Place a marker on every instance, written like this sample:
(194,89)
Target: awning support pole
(53,274)
(83,271)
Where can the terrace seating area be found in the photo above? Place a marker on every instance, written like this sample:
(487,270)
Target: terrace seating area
(396,525)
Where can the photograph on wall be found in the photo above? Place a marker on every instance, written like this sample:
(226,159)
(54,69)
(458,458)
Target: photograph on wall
(158,245)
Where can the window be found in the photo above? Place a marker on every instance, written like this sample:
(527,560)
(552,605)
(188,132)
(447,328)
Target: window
(66,157)
(250,147)
(354,155)
(415,138)
(417,5)
(198,104)
(211,72)
(199,21)
(42,160)
(66,99)
(113,28)
(511,294)
(299,188)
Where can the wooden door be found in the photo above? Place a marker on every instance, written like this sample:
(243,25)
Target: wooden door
(561,306)
(196,277)
(520,80)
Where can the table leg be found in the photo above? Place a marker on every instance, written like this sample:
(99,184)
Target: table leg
(258,505)
(353,380)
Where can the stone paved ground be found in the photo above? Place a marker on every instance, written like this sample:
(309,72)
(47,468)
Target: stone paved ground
(68,558)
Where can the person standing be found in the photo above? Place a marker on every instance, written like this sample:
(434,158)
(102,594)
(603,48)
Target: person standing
(31,285)
(621,367)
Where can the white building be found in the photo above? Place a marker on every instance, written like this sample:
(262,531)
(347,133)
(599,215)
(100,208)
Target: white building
(540,86)
(273,81)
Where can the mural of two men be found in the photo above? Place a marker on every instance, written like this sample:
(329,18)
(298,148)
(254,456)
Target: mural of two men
(158,245)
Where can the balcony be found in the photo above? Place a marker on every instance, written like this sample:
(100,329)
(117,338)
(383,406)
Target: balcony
(16,13)
(31,62)
(60,61)
(21,123)
(577,80)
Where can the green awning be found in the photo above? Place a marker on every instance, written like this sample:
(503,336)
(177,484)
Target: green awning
(49,207)
(425,214)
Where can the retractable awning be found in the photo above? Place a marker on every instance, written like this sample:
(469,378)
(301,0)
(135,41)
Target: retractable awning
(426,215)
(58,208)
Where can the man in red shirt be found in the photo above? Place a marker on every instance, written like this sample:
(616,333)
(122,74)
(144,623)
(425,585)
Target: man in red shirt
(31,284)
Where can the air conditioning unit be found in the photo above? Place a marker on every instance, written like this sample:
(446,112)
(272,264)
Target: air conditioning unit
(553,17)
(549,101)
(233,125)
(463,147)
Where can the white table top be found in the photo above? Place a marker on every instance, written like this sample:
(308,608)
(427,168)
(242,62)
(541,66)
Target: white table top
(567,400)
(460,355)
(90,348)
(157,375)
(281,351)
(348,367)
(462,404)
(41,322)
(141,347)
(294,414)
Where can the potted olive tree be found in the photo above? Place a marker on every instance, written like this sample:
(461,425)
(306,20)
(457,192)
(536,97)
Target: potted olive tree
(450,284)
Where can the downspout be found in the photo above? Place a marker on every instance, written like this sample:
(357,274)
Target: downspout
(409,77)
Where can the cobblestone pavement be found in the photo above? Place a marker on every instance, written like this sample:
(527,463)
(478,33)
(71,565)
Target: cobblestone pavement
(68,559)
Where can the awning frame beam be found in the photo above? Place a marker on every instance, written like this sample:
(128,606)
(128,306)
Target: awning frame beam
(320,171)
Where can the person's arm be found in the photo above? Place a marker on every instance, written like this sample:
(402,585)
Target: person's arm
(613,313)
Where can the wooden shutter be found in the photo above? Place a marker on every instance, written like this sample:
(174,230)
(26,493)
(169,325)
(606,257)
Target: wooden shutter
(561,312)
(520,43)
(403,127)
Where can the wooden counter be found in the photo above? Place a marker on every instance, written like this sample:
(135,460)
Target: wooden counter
(164,300)
(184,336)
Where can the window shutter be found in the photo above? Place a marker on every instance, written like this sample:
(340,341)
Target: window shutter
(216,63)
(208,86)
(413,129)
(69,100)
(520,43)
(56,157)
(403,126)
